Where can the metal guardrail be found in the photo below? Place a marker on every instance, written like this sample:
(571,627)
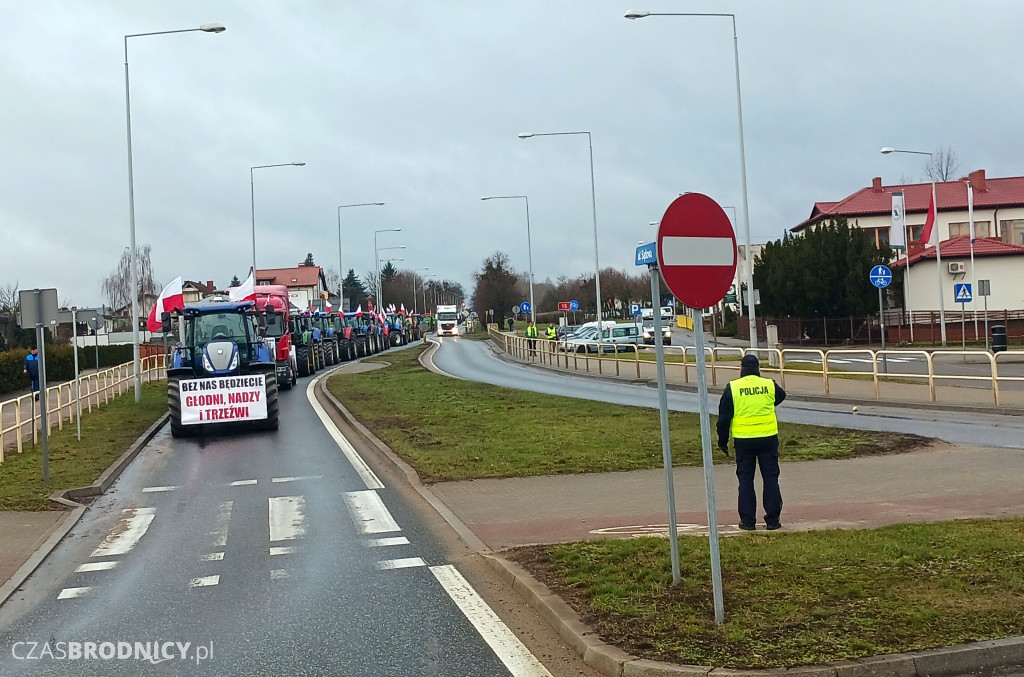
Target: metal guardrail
(773,361)
(63,400)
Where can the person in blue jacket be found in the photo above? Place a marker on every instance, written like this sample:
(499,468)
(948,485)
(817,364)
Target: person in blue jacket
(31,369)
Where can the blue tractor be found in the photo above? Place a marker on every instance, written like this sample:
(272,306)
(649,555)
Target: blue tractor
(222,371)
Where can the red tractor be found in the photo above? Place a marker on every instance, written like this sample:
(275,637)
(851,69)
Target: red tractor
(273,298)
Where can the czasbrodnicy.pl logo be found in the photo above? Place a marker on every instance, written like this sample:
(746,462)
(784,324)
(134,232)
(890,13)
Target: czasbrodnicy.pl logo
(152,652)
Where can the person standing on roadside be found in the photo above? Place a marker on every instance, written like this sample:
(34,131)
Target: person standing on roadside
(747,409)
(531,338)
(511,325)
(550,333)
(31,369)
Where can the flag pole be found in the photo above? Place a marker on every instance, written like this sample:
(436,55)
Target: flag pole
(938,265)
(974,281)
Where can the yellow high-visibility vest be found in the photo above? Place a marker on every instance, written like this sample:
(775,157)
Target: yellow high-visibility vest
(753,405)
(531,332)
(551,333)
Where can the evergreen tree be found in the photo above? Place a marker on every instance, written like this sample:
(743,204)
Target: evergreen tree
(355,290)
(309,260)
(496,287)
(235,282)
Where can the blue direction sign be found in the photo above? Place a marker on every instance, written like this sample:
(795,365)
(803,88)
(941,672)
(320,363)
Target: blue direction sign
(647,254)
(574,305)
(881,276)
(524,307)
(962,293)
(634,309)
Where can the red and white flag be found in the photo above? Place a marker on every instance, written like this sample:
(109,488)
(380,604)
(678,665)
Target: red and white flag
(359,310)
(244,290)
(930,234)
(327,304)
(403,310)
(170,299)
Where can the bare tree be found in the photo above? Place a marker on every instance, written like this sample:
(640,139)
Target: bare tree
(943,165)
(117,287)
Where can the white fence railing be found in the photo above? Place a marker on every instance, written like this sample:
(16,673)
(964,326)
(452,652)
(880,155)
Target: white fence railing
(881,366)
(20,417)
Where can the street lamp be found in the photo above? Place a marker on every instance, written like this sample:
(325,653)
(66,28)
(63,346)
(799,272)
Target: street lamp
(888,150)
(529,246)
(376,259)
(341,269)
(425,291)
(749,265)
(252,204)
(134,267)
(413,270)
(593,205)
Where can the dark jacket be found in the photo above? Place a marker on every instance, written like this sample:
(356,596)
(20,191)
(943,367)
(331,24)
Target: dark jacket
(32,366)
(725,408)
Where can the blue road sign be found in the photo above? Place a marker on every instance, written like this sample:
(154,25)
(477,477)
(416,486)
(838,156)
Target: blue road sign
(647,254)
(524,307)
(634,309)
(881,276)
(962,293)
(574,305)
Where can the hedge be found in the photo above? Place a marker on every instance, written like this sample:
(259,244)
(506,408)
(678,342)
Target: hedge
(60,364)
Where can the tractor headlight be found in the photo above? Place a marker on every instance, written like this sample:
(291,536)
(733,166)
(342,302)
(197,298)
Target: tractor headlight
(234,361)
(207,365)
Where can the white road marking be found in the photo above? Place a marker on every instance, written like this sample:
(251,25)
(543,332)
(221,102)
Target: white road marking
(369,478)
(220,525)
(382,542)
(287,517)
(282,549)
(96,566)
(513,653)
(204,581)
(240,483)
(126,533)
(154,490)
(278,480)
(369,513)
(698,251)
(213,557)
(71,593)
(403,563)
(279,574)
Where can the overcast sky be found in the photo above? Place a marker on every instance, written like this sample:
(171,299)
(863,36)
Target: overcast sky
(418,104)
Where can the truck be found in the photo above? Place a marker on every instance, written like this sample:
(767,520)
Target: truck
(447,320)
(223,370)
(272,299)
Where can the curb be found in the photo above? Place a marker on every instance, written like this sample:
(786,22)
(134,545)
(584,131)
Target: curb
(66,499)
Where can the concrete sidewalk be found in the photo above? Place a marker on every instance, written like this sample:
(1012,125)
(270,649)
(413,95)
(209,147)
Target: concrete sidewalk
(22,534)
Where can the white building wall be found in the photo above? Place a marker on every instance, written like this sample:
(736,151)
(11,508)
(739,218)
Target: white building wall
(1005,275)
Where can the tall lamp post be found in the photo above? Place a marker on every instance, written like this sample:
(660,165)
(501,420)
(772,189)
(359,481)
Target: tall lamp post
(529,245)
(888,150)
(748,263)
(134,264)
(413,271)
(376,259)
(425,291)
(252,203)
(593,206)
(341,269)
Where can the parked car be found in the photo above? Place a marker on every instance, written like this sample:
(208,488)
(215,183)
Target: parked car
(566,330)
(648,332)
(617,338)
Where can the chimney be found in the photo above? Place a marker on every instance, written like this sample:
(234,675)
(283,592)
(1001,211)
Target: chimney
(977,179)
(209,285)
(876,184)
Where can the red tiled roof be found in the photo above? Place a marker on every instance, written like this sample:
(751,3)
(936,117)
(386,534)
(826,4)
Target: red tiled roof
(201,286)
(960,247)
(304,276)
(950,195)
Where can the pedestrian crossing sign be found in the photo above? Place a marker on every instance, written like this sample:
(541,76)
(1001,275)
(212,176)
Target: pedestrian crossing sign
(962,292)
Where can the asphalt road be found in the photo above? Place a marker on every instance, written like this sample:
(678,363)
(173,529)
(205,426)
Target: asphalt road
(474,360)
(274,549)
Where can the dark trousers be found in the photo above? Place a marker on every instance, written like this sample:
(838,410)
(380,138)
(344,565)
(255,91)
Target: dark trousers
(764,452)
(34,383)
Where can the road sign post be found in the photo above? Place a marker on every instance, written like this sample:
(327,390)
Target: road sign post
(984,289)
(696,254)
(881,277)
(962,293)
(38,309)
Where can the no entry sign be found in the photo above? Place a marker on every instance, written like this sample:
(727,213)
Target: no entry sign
(697,250)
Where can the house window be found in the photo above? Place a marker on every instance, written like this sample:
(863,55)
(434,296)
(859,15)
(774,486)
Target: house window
(916,232)
(882,239)
(1013,231)
(981,229)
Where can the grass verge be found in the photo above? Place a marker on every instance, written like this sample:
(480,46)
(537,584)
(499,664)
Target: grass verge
(106,433)
(797,598)
(453,430)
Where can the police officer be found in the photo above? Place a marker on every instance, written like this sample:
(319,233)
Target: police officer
(531,337)
(747,408)
(550,333)
(31,369)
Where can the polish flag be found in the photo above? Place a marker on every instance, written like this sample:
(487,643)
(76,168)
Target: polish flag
(359,310)
(244,290)
(170,299)
(403,310)
(328,305)
(930,234)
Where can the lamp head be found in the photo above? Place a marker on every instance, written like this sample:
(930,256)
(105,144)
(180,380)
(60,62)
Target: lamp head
(637,14)
(299,164)
(377,204)
(485,198)
(212,28)
(525,135)
(887,150)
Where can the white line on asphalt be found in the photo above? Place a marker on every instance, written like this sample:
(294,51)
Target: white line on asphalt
(382,542)
(279,574)
(513,653)
(96,566)
(369,513)
(204,581)
(71,593)
(220,525)
(126,533)
(213,557)
(287,517)
(154,490)
(698,251)
(369,478)
(278,480)
(240,483)
(403,563)
(282,549)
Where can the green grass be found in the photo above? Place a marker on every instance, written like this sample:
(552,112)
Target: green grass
(453,430)
(797,598)
(106,433)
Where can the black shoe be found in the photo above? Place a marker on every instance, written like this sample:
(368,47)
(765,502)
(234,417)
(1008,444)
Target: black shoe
(37,397)
(773,527)
(748,527)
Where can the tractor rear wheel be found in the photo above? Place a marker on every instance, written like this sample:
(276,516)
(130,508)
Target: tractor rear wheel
(273,407)
(174,407)
(302,357)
